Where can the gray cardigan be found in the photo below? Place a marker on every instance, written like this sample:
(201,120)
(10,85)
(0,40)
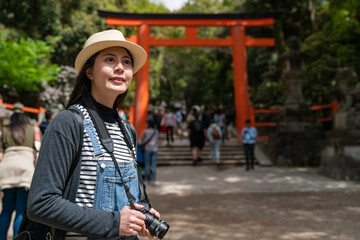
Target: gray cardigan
(47,202)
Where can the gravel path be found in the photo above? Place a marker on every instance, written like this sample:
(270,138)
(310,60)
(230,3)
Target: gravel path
(269,203)
(266,204)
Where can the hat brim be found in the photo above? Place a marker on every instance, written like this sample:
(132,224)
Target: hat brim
(138,53)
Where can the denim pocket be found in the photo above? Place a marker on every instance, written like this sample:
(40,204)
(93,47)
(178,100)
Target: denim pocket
(110,193)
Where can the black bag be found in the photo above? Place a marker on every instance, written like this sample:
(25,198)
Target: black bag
(197,126)
(30,230)
(33,230)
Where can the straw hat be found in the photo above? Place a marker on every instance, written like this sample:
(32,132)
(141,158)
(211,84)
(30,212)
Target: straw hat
(110,38)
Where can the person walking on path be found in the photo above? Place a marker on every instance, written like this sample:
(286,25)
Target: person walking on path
(170,123)
(98,196)
(222,124)
(17,164)
(205,117)
(249,135)
(49,116)
(214,137)
(197,133)
(149,141)
(179,120)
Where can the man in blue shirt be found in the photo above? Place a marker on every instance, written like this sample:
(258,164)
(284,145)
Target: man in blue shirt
(249,135)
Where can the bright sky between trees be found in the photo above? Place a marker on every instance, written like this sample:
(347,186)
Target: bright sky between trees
(171,4)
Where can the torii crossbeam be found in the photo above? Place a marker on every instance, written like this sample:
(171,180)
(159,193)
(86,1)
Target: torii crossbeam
(238,41)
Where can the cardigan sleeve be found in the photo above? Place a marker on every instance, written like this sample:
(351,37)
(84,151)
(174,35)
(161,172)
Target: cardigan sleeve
(46,203)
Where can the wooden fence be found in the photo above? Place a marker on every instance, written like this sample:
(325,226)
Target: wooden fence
(333,106)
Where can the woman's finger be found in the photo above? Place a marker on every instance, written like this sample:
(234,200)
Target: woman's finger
(156,213)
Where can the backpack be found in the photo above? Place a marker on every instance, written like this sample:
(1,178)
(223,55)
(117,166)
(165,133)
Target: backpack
(197,126)
(215,134)
(30,229)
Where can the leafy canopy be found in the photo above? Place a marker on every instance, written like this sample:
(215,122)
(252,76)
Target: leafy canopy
(25,64)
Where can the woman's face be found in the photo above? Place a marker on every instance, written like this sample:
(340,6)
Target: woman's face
(111,75)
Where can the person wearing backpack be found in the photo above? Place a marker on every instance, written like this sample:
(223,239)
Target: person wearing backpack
(86,182)
(197,137)
(214,136)
(17,164)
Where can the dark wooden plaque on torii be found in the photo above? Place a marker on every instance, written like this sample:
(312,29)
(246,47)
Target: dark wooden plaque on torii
(238,41)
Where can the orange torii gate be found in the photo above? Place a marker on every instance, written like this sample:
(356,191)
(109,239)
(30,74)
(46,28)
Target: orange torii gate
(238,41)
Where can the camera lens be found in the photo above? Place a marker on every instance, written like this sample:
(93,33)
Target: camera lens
(156,227)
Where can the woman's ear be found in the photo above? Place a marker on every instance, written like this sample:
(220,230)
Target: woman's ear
(89,73)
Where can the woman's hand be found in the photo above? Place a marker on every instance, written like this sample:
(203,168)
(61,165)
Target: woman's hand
(156,213)
(132,222)
(145,232)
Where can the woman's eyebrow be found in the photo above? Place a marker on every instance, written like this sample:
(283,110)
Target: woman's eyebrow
(114,55)
(109,54)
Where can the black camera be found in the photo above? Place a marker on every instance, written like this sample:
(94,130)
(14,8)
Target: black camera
(156,226)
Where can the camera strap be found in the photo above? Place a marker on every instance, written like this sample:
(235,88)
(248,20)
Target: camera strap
(108,144)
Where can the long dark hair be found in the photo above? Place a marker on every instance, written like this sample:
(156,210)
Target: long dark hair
(82,86)
(18,122)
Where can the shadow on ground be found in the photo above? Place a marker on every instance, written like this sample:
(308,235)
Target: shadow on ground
(261,216)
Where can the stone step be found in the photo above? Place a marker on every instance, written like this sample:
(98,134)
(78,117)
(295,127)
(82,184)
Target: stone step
(231,152)
(204,156)
(204,162)
(188,152)
(205,151)
(206,147)
(179,153)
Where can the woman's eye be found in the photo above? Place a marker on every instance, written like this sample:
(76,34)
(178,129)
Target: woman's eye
(127,62)
(111,60)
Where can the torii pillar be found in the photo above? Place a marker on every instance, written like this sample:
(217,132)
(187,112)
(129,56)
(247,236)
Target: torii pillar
(142,83)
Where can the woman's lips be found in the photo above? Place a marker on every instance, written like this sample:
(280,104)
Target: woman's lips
(117,80)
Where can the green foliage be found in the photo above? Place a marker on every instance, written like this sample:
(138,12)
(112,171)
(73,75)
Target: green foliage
(268,94)
(24,64)
(203,79)
(334,45)
(145,6)
(74,36)
(36,18)
(203,6)
(196,75)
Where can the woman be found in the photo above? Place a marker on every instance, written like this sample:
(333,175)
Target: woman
(150,140)
(17,163)
(197,133)
(170,123)
(214,137)
(100,207)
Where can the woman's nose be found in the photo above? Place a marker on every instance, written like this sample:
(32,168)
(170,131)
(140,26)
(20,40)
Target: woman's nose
(119,67)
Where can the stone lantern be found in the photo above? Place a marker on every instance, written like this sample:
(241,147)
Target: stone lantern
(293,75)
(297,137)
(340,155)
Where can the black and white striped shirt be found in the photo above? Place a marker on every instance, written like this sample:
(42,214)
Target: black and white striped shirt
(86,190)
